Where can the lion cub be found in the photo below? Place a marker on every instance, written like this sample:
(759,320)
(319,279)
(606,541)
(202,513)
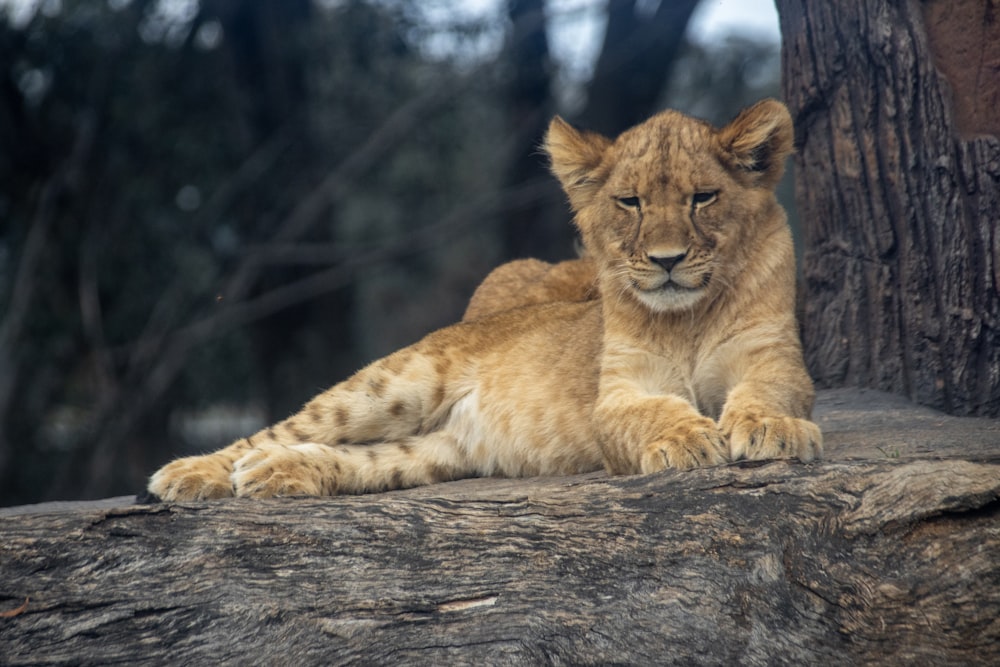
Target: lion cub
(689,357)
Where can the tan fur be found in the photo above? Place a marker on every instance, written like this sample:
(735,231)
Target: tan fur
(526,282)
(689,357)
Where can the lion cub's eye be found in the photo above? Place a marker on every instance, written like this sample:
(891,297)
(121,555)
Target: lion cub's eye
(704,198)
(631,203)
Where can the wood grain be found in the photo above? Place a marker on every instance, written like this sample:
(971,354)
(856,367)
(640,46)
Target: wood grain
(887,559)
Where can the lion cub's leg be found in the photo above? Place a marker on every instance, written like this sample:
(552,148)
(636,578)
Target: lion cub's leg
(758,429)
(375,430)
(210,476)
(311,469)
(766,415)
(759,436)
(645,434)
(271,469)
(198,477)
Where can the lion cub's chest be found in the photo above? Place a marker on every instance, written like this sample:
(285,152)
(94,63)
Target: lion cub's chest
(701,377)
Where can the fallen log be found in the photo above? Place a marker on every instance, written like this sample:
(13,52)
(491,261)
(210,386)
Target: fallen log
(886,552)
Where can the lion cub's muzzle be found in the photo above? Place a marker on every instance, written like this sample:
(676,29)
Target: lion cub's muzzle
(670,281)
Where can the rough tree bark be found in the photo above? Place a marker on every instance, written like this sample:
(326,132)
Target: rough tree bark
(898,190)
(885,559)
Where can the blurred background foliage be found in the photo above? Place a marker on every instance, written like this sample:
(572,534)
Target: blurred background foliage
(211,210)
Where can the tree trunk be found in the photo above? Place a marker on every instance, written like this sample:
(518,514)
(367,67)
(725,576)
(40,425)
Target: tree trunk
(898,190)
(636,59)
(539,227)
(885,560)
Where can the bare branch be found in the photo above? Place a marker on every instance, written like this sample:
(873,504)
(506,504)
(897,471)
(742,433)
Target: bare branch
(335,184)
(462,220)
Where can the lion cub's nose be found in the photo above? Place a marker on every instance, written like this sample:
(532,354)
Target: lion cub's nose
(668,261)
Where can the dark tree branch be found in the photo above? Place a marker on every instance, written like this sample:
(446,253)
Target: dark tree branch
(531,230)
(634,64)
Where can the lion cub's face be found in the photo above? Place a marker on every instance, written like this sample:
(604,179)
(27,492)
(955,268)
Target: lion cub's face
(666,206)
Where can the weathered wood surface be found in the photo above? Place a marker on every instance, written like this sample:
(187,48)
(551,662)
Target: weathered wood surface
(888,552)
(898,192)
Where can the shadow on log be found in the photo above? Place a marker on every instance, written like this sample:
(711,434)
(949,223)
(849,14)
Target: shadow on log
(887,552)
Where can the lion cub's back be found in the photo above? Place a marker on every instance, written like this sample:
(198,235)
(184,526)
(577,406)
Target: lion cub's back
(531,282)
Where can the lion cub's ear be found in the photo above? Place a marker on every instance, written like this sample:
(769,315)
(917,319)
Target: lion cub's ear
(758,140)
(575,156)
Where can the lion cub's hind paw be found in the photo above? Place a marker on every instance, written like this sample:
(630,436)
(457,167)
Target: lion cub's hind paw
(192,478)
(689,446)
(273,470)
(775,438)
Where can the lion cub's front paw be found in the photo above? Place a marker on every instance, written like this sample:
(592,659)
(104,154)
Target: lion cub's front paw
(192,478)
(753,437)
(275,470)
(692,443)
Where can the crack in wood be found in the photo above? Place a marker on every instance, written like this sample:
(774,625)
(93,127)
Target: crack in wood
(465,605)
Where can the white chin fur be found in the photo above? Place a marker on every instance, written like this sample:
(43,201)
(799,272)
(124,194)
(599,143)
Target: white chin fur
(665,300)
